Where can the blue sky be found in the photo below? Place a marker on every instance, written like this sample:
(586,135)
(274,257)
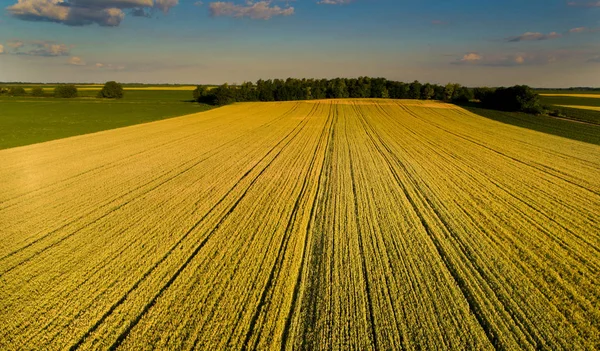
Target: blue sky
(541,43)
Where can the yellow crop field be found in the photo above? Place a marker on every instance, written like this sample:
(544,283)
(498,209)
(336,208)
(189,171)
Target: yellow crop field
(592,108)
(318,225)
(594,96)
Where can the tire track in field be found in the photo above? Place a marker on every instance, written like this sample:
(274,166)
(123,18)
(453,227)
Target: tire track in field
(474,306)
(116,198)
(365,271)
(517,315)
(224,216)
(533,209)
(312,257)
(229,277)
(543,170)
(203,157)
(109,165)
(298,284)
(470,296)
(274,273)
(434,149)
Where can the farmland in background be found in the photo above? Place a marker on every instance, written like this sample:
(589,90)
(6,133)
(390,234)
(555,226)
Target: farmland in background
(580,106)
(331,224)
(589,133)
(26,120)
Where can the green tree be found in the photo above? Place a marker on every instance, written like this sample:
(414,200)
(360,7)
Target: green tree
(414,90)
(449,92)
(337,89)
(202,95)
(462,95)
(16,91)
(65,91)
(37,91)
(223,95)
(378,88)
(111,90)
(427,92)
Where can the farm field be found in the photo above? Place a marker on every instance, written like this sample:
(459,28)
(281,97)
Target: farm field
(590,95)
(588,132)
(591,108)
(581,107)
(330,224)
(27,120)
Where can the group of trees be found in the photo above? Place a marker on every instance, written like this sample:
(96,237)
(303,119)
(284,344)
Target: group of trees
(338,88)
(519,98)
(65,91)
(111,90)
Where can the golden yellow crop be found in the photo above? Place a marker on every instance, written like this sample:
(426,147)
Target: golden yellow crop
(597,96)
(334,225)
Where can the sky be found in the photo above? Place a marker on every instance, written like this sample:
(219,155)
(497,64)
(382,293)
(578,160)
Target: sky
(541,43)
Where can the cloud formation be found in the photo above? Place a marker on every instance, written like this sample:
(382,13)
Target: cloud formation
(108,13)
(255,10)
(14,44)
(39,48)
(511,60)
(76,61)
(532,36)
(584,4)
(334,2)
(471,57)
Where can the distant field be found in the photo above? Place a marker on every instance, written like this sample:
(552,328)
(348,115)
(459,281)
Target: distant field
(586,95)
(592,108)
(586,109)
(570,100)
(550,125)
(350,225)
(28,120)
(183,88)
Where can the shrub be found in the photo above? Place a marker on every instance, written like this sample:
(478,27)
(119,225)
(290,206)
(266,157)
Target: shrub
(37,91)
(65,91)
(111,90)
(16,91)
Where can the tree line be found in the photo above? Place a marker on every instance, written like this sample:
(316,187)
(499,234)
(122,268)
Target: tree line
(517,98)
(292,89)
(110,90)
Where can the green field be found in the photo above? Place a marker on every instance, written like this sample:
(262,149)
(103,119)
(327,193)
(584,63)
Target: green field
(574,107)
(570,100)
(545,124)
(27,120)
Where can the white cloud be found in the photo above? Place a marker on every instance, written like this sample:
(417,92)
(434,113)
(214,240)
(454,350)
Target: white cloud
(76,61)
(84,12)
(471,57)
(519,59)
(529,36)
(165,5)
(41,48)
(255,10)
(584,4)
(15,44)
(334,2)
